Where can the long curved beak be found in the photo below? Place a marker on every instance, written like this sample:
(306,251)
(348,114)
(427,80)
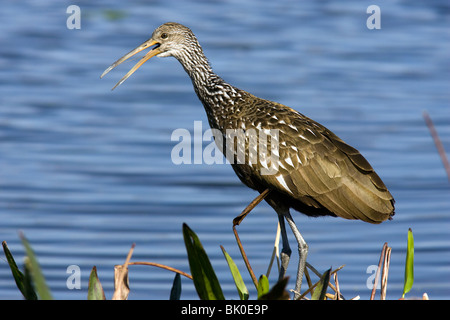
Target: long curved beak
(155,51)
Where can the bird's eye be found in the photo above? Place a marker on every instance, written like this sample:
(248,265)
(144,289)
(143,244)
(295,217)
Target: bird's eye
(164,35)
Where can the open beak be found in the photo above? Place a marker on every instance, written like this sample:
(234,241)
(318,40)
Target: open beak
(143,46)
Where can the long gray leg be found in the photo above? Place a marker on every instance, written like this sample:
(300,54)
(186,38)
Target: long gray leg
(302,252)
(286,250)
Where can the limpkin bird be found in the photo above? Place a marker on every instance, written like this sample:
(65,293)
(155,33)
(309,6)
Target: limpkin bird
(317,174)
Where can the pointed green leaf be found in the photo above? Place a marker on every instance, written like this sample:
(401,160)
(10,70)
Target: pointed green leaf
(21,281)
(409,264)
(175,293)
(322,286)
(35,271)
(238,281)
(204,277)
(263,286)
(28,280)
(95,289)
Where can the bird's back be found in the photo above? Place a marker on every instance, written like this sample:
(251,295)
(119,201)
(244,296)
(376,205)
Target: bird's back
(316,173)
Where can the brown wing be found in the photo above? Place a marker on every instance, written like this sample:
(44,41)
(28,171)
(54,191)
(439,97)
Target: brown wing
(318,169)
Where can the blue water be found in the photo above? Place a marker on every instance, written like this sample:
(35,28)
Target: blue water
(86,172)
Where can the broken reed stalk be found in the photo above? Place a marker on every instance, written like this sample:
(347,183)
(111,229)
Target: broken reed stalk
(121,288)
(383,264)
(244,256)
(384,274)
(338,291)
(237,221)
(437,142)
(162,266)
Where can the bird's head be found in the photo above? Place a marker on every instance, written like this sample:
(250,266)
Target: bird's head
(169,39)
